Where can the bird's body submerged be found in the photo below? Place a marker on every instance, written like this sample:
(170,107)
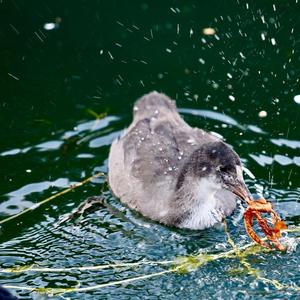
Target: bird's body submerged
(171,172)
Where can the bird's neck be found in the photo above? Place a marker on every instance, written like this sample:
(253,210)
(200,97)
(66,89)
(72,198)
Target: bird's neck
(199,197)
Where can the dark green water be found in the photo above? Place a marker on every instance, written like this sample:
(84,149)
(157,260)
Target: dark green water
(101,57)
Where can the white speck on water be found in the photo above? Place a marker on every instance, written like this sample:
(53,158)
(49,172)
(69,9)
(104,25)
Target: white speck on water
(13,76)
(262,114)
(229,75)
(202,61)
(14,28)
(160,76)
(191,32)
(297,99)
(263,37)
(151,33)
(28,171)
(215,85)
(101,52)
(242,55)
(231,97)
(38,36)
(50,26)
(273,41)
(121,24)
(110,55)
(209,31)
(168,50)
(178,29)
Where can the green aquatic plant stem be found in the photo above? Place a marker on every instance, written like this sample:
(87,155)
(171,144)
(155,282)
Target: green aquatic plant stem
(84,268)
(180,265)
(89,288)
(255,272)
(71,188)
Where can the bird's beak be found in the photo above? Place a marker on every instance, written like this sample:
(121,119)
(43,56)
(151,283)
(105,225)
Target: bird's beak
(241,190)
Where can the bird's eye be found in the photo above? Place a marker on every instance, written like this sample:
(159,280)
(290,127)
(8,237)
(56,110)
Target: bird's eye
(226,169)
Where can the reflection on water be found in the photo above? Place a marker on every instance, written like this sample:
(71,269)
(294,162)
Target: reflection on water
(71,75)
(115,234)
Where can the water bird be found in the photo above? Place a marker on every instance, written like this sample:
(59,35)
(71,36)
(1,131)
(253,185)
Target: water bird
(171,172)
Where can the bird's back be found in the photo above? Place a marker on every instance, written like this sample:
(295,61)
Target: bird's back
(145,162)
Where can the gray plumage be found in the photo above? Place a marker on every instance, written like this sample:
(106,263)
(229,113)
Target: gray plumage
(170,172)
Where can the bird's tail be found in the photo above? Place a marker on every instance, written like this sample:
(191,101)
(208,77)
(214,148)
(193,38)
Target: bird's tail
(152,104)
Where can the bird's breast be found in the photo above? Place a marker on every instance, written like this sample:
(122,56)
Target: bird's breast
(209,203)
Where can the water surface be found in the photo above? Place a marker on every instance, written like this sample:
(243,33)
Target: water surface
(68,92)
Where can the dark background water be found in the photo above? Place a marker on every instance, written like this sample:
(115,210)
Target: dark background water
(100,58)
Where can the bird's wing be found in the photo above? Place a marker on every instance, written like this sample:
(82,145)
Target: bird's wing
(156,147)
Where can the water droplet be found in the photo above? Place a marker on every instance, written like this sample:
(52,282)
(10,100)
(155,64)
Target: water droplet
(215,85)
(50,26)
(209,31)
(273,41)
(297,99)
(202,61)
(262,114)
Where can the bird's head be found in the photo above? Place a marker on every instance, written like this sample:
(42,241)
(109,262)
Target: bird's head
(221,164)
